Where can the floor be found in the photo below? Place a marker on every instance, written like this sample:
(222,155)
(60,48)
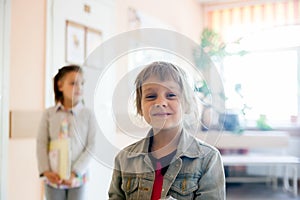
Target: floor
(257,191)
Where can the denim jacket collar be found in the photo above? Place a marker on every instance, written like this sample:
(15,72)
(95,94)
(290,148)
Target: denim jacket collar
(187,146)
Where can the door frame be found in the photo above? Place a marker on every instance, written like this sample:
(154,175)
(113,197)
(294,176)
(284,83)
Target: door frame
(5,21)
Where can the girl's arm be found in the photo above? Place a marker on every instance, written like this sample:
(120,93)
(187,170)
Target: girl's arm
(42,144)
(42,150)
(212,182)
(81,165)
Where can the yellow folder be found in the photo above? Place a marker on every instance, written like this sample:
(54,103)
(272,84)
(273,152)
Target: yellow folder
(60,158)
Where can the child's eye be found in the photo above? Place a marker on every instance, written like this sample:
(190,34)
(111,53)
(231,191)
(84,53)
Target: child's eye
(171,95)
(150,96)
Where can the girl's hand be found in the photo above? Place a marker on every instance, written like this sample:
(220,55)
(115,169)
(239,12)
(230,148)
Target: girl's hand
(69,182)
(52,177)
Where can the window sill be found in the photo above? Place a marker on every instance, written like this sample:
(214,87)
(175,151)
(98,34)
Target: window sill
(293,130)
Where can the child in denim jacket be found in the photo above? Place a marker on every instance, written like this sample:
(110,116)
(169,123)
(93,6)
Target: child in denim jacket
(169,162)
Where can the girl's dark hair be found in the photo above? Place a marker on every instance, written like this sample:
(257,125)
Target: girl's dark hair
(59,76)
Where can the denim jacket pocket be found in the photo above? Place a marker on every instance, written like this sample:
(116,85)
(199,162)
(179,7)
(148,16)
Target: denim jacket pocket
(184,186)
(130,184)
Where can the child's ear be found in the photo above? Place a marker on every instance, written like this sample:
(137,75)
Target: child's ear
(59,85)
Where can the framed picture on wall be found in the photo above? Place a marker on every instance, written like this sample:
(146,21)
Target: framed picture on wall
(75,43)
(93,40)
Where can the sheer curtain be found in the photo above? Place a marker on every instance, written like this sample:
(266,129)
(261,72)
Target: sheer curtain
(237,19)
(268,75)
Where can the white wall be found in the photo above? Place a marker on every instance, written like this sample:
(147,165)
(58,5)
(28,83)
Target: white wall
(24,182)
(26,86)
(101,17)
(27,55)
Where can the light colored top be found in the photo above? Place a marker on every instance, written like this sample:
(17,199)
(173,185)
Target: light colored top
(82,133)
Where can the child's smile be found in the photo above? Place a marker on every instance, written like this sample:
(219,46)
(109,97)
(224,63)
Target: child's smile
(161,104)
(161,114)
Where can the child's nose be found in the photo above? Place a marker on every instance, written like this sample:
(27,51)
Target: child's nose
(161,101)
(79,86)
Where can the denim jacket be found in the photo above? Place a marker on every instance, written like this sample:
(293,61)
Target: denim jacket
(196,172)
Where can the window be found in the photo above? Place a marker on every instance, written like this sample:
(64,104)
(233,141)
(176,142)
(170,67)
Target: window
(267,76)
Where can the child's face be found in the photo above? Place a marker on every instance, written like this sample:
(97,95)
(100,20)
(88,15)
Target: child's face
(161,104)
(71,86)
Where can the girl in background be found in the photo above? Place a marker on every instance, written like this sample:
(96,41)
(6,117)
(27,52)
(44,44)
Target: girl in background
(66,138)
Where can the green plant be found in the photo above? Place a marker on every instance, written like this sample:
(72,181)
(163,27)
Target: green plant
(262,124)
(211,52)
(213,48)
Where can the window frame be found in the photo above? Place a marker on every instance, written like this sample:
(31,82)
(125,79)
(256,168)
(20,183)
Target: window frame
(250,124)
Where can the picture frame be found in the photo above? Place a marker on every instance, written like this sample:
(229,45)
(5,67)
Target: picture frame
(93,39)
(75,43)
(81,41)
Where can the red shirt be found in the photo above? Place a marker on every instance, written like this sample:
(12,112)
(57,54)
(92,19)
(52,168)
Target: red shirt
(158,182)
(161,166)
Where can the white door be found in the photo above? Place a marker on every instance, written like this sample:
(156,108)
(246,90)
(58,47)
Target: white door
(4,93)
(95,14)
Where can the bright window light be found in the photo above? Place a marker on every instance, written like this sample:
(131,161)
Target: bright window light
(268,83)
(267,75)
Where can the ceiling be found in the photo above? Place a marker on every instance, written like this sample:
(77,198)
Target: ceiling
(214,1)
(224,1)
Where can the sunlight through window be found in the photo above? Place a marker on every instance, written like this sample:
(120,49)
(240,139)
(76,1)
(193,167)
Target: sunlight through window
(266,77)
